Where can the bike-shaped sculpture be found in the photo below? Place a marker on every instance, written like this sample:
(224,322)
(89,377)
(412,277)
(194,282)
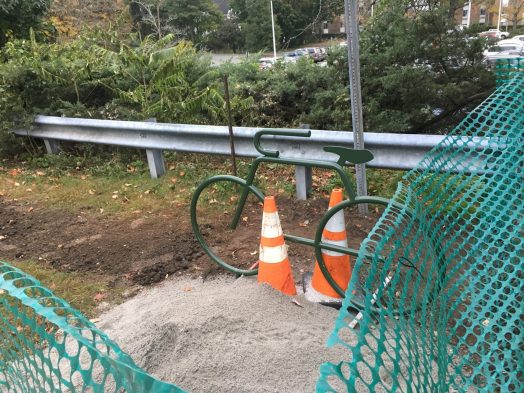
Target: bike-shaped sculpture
(246,188)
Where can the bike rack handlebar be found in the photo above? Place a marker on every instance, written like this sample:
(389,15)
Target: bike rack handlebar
(276,132)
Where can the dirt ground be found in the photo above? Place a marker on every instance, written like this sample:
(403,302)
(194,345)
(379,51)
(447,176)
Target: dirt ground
(148,248)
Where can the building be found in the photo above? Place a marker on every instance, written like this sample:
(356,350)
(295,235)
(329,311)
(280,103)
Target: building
(484,15)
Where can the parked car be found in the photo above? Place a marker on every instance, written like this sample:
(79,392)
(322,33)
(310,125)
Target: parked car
(510,41)
(265,63)
(293,56)
(314,53)
(494,33)
(517,38)
(503,51)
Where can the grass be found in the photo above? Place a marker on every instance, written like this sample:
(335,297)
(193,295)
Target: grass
(83,292)
(117,188)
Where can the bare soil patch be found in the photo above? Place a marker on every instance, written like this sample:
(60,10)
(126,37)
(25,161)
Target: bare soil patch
(148,248)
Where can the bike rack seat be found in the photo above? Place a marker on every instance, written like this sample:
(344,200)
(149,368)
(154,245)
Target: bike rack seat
(348,155)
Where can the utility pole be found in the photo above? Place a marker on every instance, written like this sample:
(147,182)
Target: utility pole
(351,22)
(273,28)
(500,15)
(469,13)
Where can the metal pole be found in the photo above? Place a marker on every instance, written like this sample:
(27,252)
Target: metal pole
(469,12)
(230,125)
(500,12)
(273,28)
(351,22)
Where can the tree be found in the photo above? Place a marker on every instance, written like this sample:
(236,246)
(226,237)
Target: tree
(193,20)
(255,20)
(515,12)
(296,20)
(18,16)
(228,35)
(418,72)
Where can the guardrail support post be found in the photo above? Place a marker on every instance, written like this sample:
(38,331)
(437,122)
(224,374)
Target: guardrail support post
(155,160)
(303,178)
(303,182)
(52,146)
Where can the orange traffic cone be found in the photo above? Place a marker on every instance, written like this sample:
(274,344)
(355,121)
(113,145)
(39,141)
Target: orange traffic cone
(274,267)
(337,264)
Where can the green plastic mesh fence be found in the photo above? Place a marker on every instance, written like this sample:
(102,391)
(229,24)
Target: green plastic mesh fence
(505,69)
(443,290)
(47,346)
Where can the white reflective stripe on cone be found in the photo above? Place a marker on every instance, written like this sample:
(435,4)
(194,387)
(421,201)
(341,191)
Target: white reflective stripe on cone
(271,225)
(341,243)
(336,223)
(273,254)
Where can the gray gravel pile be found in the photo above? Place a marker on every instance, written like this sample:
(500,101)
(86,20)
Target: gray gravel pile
(225,335)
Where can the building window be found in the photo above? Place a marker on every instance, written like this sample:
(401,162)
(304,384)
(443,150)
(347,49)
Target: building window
(325,25)
(464,13)
(482,12)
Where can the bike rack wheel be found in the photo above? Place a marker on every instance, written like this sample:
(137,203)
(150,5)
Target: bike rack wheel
(219,187)
(437,277)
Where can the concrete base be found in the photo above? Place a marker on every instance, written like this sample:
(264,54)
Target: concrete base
(313,296)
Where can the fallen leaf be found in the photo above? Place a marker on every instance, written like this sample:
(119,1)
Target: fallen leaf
(114,196)
(294,301)
(188,289)
(3,237)
(101,210)
(254,252)
(171,167)
(128,184)
(30,209)
(92,192)
(17,184)
(95,320)
(182,174)
(99,297)
(40,173)
(245,219)
(83,177)
(29,190)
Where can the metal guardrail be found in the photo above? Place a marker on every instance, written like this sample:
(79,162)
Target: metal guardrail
(391,151)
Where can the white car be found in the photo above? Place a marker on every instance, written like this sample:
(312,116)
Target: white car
(266,62)
(494,33)
(518,38)
(503,51)
(512,41)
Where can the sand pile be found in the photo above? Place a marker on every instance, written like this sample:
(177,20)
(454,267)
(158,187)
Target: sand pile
(225,335)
